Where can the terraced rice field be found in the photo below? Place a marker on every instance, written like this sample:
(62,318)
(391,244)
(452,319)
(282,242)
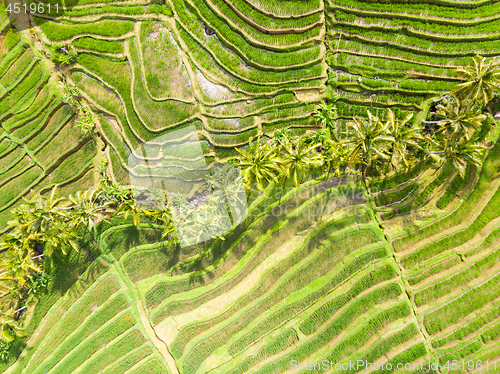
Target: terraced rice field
(405,271)
(39,146)
(313,286)
(449,264)
(402,54)
(232,71)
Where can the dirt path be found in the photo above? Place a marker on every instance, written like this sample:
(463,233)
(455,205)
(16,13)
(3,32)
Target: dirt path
(406,291)
(139,308)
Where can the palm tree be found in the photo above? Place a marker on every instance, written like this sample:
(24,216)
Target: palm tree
(260,164)
(209,223)
(71,93)
(460,119)
(85,210)
(9,283)
(298,159)
(336,155)
(403,135)
(326,116)
(457,151)
(130,207)
(163,213)
(17,264)
(482,80)
(185,214)
(62,236)
(39,213)
(368,140)
(169,229)
(45,219)
(8,324)
(86,120)
(283,136)
(318,138)
(230,189)
(155,196)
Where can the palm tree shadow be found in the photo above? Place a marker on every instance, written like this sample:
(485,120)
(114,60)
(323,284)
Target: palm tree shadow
(172,253)
(65,270)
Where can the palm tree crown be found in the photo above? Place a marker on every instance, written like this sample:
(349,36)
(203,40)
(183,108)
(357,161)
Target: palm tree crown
(403,134)
(336,155)
(482,80)
(298,159)
(457,151)
(460,119)
(368,140)
(260,164)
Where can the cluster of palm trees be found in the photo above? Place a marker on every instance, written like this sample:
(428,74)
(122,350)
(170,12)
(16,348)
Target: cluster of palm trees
(221,205)
(284,157)
(47,223)
(39,227)
(375,144)
(86,118)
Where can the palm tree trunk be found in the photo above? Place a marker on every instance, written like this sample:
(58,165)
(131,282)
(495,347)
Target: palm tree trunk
(364,169)
(327,178)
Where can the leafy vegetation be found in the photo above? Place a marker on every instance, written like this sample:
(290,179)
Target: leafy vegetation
(364,225)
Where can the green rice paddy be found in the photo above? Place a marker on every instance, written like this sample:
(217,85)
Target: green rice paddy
(402,271)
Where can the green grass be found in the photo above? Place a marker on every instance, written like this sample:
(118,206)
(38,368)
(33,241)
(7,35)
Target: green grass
(111,28)
(35,79)
(120,9)
(383,346)
(412,354)
(14,188)
(488,173)
(346,346)
(459,354)
(254,56)
(31,129)
(435,269)
(424,195)
(469,328)
(400,178)
(18,68)
(126,362)
(295,282)
(54,131)
(121,238)
(72,320)
(457,185)
(491,334)
(37,104)
(155,115)
(396,196)
(118,326)
(446,286)
(282,342)
(75,163)
(153,366)
(462,306)
(83,328)
(487,215)
(98,45)
(359,305)
(126,344)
